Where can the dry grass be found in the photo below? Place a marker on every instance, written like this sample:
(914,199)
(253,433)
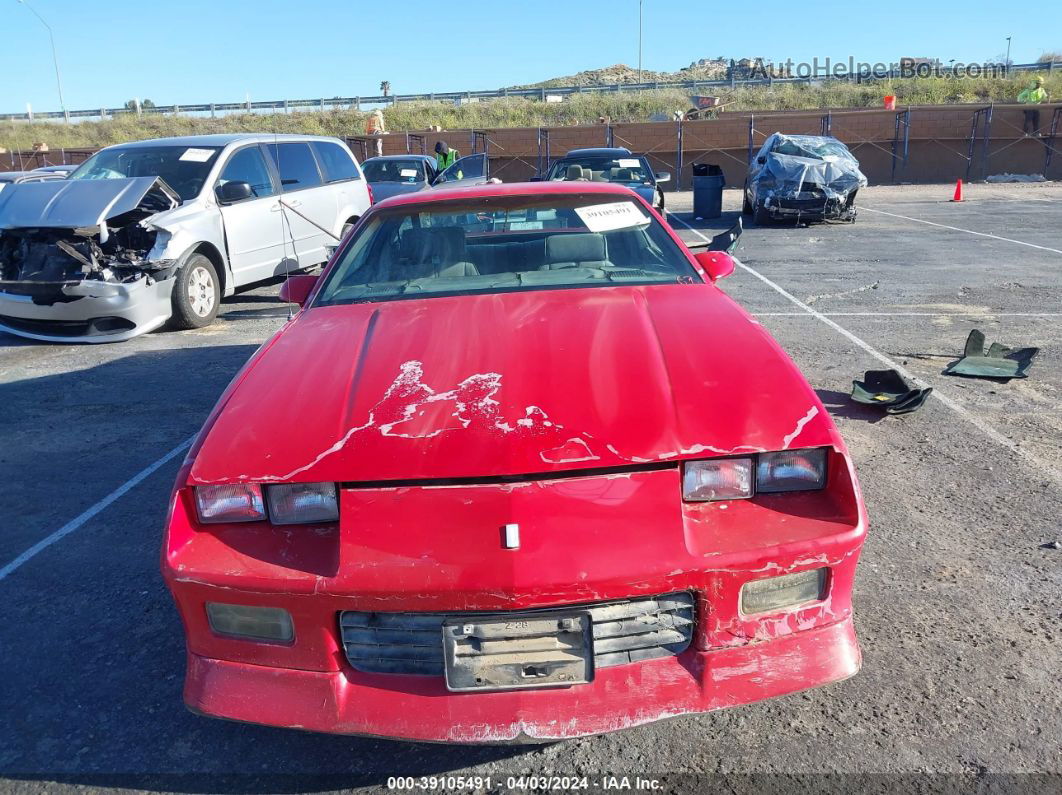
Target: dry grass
(518,112)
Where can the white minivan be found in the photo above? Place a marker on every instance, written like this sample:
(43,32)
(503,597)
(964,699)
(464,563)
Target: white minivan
(155,231)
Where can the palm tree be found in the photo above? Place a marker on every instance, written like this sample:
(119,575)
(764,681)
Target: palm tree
(385,87)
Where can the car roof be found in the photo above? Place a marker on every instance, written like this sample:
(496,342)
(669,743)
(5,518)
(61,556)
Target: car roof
(224,139)
(400,157)
(601,151)
(33,176)
(509,189)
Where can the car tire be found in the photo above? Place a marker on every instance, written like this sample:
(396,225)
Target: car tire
(660,206)
(760,216)
(746,205)
(196,294)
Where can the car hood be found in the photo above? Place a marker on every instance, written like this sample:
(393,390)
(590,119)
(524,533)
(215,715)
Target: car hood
(835,175)
(510,384)
(385,190)
(70,204)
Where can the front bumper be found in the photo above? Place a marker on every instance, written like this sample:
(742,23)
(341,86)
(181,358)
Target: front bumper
(587,540)
(100,312)
(349,702)
(783,204)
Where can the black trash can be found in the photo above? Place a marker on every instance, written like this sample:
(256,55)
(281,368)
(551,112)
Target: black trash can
(707,190)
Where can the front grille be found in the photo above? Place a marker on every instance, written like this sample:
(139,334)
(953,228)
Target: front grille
(627,631)
(69,328)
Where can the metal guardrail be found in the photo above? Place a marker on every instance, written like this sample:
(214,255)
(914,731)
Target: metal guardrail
(286,105)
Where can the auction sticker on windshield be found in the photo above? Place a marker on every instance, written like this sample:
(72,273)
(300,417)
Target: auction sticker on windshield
(408,172)
(197,155)
(614,215)
(629,162)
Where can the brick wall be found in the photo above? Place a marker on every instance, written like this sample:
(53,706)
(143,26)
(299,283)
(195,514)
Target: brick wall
(938,149)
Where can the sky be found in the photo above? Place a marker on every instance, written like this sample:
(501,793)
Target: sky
(195,51)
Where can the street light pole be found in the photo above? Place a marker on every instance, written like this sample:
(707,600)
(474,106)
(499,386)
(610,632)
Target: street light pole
(55,58)
(639,41)
(1008,55)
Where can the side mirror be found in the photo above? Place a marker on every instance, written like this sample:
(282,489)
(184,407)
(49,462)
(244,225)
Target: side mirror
(297,288)
(761,159)
(717,264)
(234,191)
(663,176)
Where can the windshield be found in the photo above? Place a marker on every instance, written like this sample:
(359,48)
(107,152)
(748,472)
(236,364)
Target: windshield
(501,244)
(625,170)
(408,171)
(811,147)
(184,168)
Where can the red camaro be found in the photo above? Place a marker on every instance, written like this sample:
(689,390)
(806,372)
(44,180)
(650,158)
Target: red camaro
(517,470)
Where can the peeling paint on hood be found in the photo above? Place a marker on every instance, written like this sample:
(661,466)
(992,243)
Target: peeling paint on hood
(511,384)
(71,204)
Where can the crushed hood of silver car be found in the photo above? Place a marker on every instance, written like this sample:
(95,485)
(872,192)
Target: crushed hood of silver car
(55,236)
(810,175)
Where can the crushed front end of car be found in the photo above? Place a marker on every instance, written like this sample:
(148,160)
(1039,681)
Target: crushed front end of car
(82,261)
(807,177)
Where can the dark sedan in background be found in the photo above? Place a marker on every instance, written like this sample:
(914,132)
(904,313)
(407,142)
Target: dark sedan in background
(611,164)
(391,175)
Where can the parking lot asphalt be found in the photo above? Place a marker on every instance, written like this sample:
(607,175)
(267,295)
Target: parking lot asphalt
(958,603)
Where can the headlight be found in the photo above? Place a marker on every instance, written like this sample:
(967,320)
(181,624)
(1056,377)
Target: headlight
(230,502)
(717,479)
(733,478)
(791,470)
(302,503)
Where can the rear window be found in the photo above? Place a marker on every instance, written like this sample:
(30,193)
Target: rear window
(336,162)
(502,244)
(407,171)
(296,165)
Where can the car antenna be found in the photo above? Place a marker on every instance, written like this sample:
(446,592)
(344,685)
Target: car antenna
(18,147)
(284,220)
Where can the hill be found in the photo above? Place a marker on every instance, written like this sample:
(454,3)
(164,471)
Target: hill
(704,69)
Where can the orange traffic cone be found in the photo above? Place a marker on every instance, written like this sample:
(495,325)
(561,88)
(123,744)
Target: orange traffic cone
(958,191)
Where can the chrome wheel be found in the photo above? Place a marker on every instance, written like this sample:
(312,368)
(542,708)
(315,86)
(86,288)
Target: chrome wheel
(201,291)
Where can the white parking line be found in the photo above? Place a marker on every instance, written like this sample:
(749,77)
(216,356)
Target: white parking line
(80,520)
(981,425)
(958,229)
(986,313)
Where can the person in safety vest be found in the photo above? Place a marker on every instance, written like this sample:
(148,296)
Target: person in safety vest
(444,156)
(1033,95)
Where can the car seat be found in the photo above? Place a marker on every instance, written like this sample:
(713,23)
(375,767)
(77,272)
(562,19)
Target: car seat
(576,251)
(434,253)
(574,172)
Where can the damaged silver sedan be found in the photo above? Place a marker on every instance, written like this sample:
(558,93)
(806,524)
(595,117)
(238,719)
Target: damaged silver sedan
(158,231)
(803,178)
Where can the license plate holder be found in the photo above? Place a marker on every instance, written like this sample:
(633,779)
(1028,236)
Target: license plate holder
(511,652)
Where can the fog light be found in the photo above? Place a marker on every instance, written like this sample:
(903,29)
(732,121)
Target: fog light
(254,623)
(774,593)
